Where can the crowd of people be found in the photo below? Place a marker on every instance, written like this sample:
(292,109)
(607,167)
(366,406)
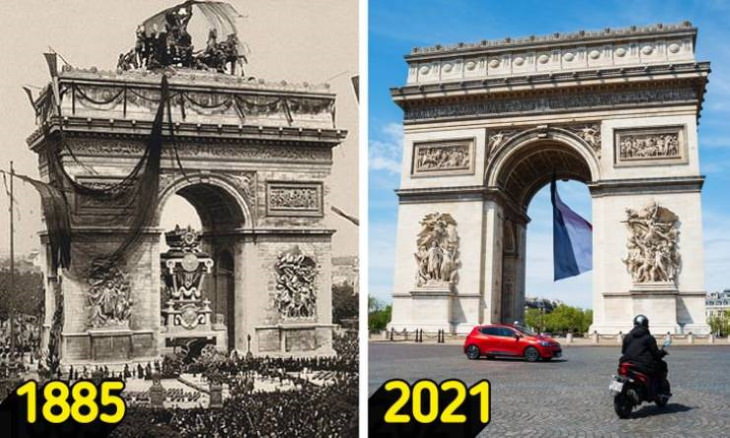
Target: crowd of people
(328,410)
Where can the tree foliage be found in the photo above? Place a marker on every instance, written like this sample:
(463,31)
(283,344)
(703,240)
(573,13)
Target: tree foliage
(562,319)
(344,303)
(27,296)
(378,315)
(720,323)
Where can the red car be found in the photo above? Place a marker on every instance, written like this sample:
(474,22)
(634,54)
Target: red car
(509,340)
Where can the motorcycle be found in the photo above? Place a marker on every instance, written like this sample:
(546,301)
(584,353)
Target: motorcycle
(631,387)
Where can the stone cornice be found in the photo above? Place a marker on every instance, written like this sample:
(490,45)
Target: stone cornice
(675,184)
(544,81)
(132,129)
(684,29)
(597,97)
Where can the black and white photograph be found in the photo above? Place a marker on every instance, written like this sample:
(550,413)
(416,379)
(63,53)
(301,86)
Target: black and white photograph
(180,210)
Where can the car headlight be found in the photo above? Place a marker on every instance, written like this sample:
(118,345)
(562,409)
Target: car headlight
(545,343)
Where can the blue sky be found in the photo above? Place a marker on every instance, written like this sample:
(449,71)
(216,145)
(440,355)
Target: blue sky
(397,27)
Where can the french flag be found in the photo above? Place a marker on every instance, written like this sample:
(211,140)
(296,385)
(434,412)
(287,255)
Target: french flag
(572,241)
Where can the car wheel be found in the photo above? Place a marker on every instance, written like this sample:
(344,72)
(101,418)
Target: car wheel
(531,354)
(472,352)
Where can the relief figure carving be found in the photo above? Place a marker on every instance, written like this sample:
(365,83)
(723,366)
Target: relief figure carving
(296,295)
(641,146)
(652,245)
(438,251)
(455,156)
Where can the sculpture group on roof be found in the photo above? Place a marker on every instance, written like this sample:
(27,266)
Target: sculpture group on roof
(163,40)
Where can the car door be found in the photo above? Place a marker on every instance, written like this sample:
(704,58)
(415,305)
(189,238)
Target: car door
(489,339)
(510,343)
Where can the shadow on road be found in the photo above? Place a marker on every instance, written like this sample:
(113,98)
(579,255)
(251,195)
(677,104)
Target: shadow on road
(652,410)
(519,359)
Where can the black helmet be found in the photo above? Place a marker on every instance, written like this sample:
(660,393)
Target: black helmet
(641,320)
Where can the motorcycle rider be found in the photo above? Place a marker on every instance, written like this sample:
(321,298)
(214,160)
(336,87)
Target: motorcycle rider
(640,347)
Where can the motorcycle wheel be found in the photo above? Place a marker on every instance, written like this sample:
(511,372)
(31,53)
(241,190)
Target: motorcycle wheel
(662,401)
(622,405)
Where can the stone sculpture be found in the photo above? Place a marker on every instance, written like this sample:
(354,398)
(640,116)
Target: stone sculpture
(296,295)
(438,256)
(653,254)
(663,145)
(109,298)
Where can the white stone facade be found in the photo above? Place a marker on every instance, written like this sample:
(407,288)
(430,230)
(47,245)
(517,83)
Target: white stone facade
(506,128)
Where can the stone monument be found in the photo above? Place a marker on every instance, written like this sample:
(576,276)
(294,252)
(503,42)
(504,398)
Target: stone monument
(488,124)
(251,156)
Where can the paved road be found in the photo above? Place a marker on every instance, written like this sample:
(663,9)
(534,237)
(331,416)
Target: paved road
(570,397)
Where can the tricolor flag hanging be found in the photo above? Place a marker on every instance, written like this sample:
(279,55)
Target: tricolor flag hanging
(572,240)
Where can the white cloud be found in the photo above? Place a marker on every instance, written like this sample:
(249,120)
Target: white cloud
(386,149)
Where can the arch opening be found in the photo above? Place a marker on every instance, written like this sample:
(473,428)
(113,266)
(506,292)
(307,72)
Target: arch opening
(533,165)
(523,174)
(212,212)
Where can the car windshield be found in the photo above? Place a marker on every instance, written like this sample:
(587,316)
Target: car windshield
(524,330)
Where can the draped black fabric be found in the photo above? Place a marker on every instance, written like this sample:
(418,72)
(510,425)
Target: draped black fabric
(141,186)
(56,211)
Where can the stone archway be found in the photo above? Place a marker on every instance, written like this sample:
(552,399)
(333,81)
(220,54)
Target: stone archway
(252,158)
(521,166)
(221,205)
(488,124)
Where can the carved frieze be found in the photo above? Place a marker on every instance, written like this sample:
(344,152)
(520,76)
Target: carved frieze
(120,147)
(653,254)
(437,257)
(452,157)
(296,294)
(550,103)
(650,145)
(294,199)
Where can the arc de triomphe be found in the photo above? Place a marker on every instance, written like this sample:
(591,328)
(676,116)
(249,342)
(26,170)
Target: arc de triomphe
(489,124)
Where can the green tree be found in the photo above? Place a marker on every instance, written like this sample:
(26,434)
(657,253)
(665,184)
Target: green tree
(378,315)
(534,318)
(562,319)
(720,323)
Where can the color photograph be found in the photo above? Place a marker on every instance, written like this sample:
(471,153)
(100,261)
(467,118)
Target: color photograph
(547,204)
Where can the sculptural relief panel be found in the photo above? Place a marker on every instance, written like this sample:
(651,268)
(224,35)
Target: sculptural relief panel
(437,257)
(644,146)
(294,199)
(296,294)
(453,157)
(653,245)
(109,298)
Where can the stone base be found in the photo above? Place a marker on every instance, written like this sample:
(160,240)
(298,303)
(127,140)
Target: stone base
(668,310)
(296,339)
(108,345)
(431,310)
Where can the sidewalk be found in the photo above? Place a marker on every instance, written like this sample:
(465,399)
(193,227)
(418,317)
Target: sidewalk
(590,341)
